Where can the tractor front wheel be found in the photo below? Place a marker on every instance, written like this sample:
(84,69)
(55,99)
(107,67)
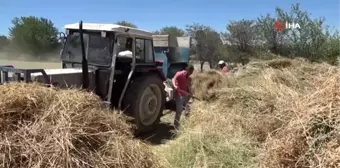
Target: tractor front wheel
(145,99)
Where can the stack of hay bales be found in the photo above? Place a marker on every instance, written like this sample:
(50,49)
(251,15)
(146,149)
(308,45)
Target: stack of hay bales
(47,127)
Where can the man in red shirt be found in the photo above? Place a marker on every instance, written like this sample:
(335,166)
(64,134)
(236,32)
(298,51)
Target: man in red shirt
(181,82)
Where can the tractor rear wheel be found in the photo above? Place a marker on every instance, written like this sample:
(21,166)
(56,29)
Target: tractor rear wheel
(145,99)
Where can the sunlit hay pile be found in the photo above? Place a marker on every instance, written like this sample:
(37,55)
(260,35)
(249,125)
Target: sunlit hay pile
(279,63)
(265,98)
(203,84)
(311,138)
(284,71)
(208,139)
(253,69)
(46,127)
(250,114)
(258,104)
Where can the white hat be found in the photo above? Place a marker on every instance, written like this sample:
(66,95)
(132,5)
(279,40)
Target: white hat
(221,62)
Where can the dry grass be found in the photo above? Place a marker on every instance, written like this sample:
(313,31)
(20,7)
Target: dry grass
(46,127)
(311,137)
(204,84)
(277,113)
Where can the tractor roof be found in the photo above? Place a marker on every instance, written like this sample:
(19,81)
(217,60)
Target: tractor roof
(109,27)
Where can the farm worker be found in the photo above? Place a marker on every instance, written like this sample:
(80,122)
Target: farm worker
(223,66)
(181,83)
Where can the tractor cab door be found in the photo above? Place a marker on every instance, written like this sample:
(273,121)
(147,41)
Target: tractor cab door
(145,52)
(144,62)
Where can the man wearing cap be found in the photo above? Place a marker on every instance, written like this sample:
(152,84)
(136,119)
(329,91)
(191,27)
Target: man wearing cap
(223,66)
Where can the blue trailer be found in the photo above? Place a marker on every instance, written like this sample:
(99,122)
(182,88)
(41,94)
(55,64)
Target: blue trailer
(173,52)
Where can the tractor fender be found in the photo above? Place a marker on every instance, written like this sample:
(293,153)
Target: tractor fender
(159,72)
(150,70)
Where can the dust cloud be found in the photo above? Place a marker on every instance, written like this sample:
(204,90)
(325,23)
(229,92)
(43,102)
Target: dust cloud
(20,60)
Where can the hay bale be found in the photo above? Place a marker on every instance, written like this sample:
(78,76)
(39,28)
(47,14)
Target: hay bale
(46,127)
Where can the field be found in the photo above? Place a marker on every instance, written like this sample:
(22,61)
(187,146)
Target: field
(272,114)
(30,64)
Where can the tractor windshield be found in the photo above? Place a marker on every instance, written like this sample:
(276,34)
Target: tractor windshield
(97,49)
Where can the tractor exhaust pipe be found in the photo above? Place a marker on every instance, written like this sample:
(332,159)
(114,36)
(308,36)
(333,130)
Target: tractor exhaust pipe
(85,71)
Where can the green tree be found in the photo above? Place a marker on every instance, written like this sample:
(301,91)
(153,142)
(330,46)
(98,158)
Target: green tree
(34,35)
(4,42)
(312,40)
(308,40)
(242,39)
(242,34)
(273,39)
(171,30)
(207,43)
(330,48)
(126,23)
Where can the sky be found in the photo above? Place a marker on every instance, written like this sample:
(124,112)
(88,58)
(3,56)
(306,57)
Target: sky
(154,14)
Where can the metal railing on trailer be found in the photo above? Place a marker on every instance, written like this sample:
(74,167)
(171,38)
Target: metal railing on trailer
(19,75)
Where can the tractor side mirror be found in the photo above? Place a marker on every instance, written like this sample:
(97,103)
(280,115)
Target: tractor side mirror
(62,37)
(62,40)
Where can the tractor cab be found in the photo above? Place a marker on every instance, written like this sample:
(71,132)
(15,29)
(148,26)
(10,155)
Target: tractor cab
(103,42)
